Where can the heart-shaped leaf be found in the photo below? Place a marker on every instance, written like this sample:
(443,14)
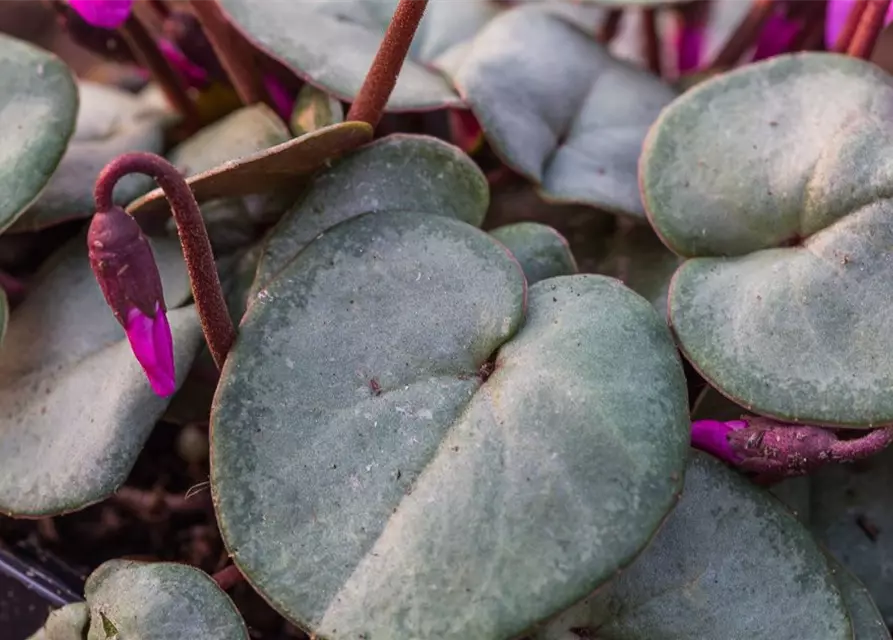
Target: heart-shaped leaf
(109,122)
(332,44)
(279,167)
(558,108)
(373,479)
(67,623)
(851,514)
(159,601)
(730,562)
(792,322)
(75,405)
(38,110)
(400,172)
(641,261)
(541,251)
(867,621)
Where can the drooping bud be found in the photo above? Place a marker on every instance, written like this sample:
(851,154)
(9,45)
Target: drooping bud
(776,449)
(107,14)
(125,268)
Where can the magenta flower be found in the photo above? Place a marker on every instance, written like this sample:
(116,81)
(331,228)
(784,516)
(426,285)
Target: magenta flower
(689,44)
(836,17)
(712,436)
(191,73)
(282,99)
(106,14)
(776,37)
(124,266)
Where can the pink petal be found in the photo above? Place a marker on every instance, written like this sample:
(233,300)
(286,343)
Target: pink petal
(712,436)
(689,44)
(193,74)
(282,100)
(836,16)
(776,37)
(152,344)
(107,14)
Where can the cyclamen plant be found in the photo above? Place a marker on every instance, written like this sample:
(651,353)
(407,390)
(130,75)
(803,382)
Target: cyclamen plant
(464,320)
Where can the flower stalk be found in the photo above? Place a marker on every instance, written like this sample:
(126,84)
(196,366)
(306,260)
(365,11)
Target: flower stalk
(232,54)
(744,35)
(382,77)
(206,290)
(870,26)
(150,55)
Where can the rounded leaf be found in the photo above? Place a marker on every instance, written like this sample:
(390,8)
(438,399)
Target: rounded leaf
(159,601)
(397,441)
(791,321)
(399,172)
(541,251)
(558,108)
(66,623)
(730,562)
(867,621)
(851,515)
(75,405)
(109,122)
(332,44)
(37,118)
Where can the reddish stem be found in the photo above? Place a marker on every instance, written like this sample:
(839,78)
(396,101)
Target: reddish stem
(869,29)
(228,577)
(611,25)
(862,447)
(147,52)
(854,17)
(206,290)
(382,77)
(231,51)
(651,41)
(744,35)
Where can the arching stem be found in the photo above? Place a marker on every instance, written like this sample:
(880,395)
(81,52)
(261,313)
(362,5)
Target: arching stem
(209,301)
(146,50)
(382,76)
(870,27)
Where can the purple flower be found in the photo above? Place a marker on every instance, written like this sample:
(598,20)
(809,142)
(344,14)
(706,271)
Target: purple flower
(689,44)
(124,266)
(107,14)
(838,10)
(193,74)
(280,96)
(712,436)
(151,342)
(776,37)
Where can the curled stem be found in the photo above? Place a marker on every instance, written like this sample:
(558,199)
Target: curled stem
(206,290)
(147,52)
(382,76)
(234,57)
(870,26)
